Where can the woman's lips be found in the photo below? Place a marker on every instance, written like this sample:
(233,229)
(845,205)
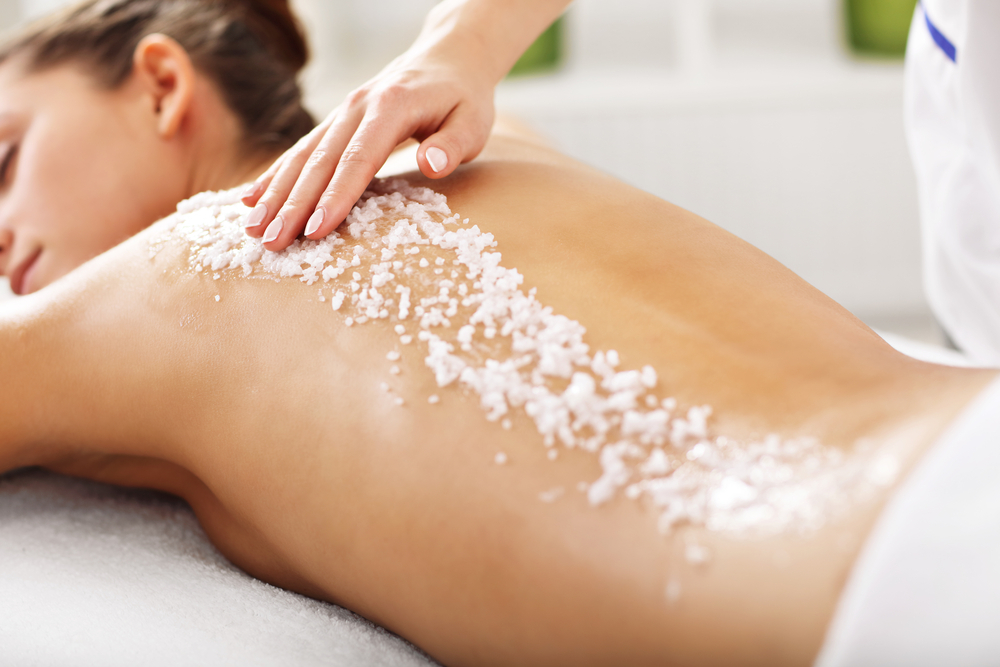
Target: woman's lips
(20,275)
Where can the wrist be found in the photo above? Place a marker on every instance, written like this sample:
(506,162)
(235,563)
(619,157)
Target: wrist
(485,36)
(452,35)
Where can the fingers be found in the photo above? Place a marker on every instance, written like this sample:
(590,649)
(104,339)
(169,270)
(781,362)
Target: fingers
(315,184)
(281,211)
(307,143)
(360,160)
(460,138)
(254,191)
(343,164)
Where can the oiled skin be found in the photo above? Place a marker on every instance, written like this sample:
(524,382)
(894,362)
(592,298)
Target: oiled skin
(265,413)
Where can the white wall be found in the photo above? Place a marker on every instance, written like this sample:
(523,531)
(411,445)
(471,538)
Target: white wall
(749,113)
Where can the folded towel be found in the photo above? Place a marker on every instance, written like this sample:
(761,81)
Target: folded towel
(92,574)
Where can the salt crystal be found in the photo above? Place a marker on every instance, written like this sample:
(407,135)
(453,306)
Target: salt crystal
(500,458)
(216,297)
(337,300)
(551,495)
(673,592)
(433,398)
(399,400)
(394,370)
(399,329)
(406,339)
(697,554)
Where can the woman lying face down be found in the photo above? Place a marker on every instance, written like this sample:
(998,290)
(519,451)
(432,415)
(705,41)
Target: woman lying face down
(527,475)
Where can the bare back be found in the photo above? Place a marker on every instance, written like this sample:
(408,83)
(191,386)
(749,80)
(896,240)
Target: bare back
(251,399)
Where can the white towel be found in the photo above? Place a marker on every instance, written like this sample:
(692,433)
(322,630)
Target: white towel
(96,575)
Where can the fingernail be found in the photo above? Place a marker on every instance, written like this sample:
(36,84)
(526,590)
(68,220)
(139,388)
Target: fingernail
(251,190)
(273,230)
(256,216)
(315,220)
(436,158)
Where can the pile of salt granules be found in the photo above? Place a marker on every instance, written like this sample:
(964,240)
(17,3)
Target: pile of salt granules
(402,258)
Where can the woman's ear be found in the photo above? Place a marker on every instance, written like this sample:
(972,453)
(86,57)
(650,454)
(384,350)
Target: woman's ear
(165,71)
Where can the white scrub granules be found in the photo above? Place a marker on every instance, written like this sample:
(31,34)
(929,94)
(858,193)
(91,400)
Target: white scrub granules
(479,330)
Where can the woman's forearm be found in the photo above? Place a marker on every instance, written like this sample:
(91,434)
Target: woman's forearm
(22,416)
(490,34)
(74,374)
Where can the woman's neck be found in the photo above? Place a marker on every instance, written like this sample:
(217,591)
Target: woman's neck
(215,146)
(227,168)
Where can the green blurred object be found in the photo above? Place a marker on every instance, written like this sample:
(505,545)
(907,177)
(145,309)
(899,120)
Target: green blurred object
(878,27)
(544,54)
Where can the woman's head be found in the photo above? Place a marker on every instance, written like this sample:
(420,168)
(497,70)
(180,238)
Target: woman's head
(113,110)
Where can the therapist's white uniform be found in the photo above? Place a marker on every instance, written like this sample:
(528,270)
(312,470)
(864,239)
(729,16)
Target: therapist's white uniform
(953,128)
(925,590)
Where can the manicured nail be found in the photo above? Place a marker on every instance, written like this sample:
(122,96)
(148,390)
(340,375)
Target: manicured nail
(256,216)
(251,190)
(315,220)
(273,230)
(436,158)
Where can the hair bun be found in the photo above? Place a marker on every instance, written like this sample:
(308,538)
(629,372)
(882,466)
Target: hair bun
(280,30)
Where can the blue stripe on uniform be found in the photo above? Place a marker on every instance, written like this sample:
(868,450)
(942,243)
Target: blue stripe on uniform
(943,42)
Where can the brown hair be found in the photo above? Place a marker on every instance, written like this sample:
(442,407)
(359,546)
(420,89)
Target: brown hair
(251,49)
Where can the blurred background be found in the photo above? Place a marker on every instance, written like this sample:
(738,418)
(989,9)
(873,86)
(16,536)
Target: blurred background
(780,120)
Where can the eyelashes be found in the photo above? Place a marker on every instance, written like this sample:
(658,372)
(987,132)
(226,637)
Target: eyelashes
(8,159)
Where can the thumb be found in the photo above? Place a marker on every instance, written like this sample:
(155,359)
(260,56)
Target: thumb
(460,138)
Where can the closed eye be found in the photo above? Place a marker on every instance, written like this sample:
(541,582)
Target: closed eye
(8,159)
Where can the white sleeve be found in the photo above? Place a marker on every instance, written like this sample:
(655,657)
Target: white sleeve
(953,129)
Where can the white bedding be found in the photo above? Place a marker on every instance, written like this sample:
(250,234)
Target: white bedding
(96,575)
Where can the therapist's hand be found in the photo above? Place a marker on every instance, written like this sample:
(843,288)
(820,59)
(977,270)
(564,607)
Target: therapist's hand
(443,101)
(439,92)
